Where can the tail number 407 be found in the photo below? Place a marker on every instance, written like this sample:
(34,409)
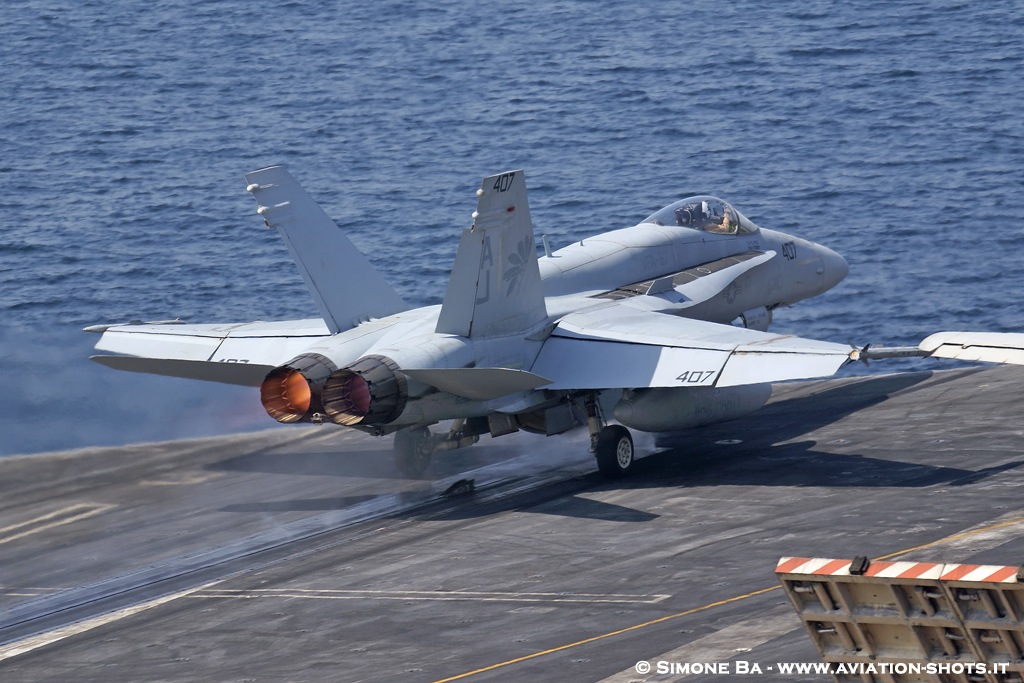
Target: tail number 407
(503,183)
(696,377)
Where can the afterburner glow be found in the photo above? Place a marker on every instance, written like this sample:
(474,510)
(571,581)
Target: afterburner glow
(370,391)
(285,395)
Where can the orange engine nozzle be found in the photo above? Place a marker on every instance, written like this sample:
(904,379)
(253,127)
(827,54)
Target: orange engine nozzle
(371,391)
(286,395)
(348,397)
(291,392)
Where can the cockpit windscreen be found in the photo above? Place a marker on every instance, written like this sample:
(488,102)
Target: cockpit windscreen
(708,214)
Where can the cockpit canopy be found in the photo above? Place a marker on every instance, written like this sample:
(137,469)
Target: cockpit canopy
(709,214)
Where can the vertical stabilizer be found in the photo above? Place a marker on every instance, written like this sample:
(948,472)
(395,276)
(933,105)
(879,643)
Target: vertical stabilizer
(345,286)
(495,288)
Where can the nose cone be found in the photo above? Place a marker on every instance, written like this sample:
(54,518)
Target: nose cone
(835,267)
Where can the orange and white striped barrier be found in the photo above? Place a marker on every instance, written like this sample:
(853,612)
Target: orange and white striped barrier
(900,570)
(914,613)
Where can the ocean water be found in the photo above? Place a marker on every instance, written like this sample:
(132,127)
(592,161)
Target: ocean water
(891,132)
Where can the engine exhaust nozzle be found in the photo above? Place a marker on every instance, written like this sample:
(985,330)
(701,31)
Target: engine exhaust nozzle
(291,392)
(371,391)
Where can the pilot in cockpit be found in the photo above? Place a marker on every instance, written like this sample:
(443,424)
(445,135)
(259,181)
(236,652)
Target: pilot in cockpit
(702,213)
(725,224)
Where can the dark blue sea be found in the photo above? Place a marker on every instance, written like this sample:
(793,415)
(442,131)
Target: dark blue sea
(891,132)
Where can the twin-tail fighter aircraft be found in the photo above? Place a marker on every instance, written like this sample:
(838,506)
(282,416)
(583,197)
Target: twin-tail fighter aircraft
(658,327)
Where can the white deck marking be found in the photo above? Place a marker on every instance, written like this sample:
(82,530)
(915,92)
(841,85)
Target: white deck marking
(484,596)
(67,515)
(25,645)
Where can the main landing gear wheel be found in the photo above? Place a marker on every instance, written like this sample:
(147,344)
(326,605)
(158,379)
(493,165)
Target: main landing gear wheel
(614,451)
(413,451)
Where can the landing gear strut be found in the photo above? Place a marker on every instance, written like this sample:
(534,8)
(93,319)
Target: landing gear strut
(413,451)
(611,444)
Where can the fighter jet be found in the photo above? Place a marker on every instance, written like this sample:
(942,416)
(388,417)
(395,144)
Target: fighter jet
(656,327)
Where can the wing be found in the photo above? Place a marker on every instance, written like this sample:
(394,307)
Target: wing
(233,354)
(992,347)
(989,347)
(619,347)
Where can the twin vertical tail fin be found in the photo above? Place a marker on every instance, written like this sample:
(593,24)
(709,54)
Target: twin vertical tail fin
(345,286)
(495,288)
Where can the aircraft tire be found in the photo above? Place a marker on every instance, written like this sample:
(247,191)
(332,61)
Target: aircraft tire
(412,452)
(614,452)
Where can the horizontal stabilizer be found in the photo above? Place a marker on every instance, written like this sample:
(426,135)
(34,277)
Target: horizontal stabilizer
(345,286)
(991,347)
(232,353)
(479,384)
(245,374)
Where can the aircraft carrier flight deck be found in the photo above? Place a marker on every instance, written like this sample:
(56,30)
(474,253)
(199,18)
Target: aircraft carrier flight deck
(300,555)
